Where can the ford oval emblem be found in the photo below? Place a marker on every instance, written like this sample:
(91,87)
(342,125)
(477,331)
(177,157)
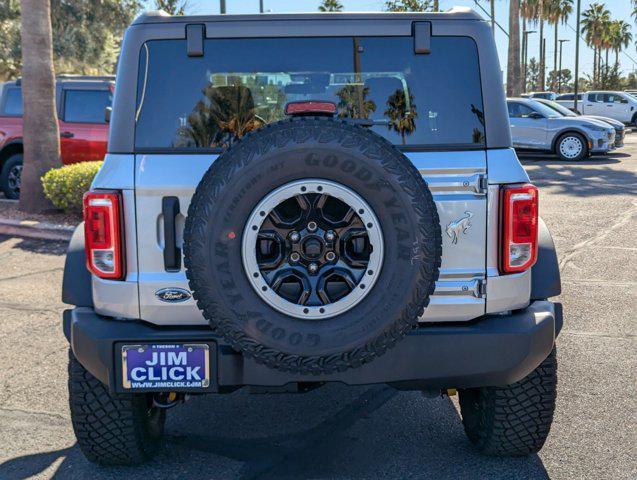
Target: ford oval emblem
(172,295)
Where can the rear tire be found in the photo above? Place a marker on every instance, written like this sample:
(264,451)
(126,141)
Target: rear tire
(10,176)
(571,147)
(513,420)
(112,430)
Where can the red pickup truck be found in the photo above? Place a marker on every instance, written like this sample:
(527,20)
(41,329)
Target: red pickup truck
(81,104)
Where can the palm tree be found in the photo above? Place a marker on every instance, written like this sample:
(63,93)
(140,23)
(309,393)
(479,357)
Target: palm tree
(40,124)
(330,6)
(513,60)
(558,12)
(401,119)
(620,37)
(536,12)
(407,5)
(594,24)
(353,102)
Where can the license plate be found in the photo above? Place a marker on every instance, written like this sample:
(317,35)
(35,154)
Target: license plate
(165,366)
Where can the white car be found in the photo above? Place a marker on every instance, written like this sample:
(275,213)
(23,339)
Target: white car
(617,105)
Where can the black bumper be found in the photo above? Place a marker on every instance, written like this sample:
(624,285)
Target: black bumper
(493,350)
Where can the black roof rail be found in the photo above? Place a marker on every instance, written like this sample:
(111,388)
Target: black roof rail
(71,76)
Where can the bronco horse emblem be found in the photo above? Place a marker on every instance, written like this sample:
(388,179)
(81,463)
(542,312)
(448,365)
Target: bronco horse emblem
(455,228)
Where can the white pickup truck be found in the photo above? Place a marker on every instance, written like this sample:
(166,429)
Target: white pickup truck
(618,105)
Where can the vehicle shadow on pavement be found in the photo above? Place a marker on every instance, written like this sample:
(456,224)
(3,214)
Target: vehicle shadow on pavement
(32,245)
(333,432)
(582,179)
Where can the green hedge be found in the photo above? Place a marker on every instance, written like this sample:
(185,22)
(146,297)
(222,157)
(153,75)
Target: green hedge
(65,186)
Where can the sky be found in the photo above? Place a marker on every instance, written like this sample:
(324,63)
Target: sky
(620,9)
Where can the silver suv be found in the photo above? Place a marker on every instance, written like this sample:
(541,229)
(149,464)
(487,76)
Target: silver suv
(291,200)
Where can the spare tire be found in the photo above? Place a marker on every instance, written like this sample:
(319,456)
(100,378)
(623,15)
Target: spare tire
(312,245)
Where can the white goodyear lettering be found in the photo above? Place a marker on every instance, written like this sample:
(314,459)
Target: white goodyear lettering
(166,366)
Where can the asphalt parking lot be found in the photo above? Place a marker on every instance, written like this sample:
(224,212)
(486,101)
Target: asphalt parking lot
(367,432)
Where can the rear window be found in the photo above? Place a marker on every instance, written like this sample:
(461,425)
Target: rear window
(86,106)
(240,85)
(13,102)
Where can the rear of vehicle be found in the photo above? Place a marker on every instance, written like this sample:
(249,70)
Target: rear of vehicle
(392,223)
(81,102)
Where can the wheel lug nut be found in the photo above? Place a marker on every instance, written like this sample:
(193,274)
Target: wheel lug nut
(295,237)
(312,267)
(330,256)
(295,257)
(330,236)
(312,226)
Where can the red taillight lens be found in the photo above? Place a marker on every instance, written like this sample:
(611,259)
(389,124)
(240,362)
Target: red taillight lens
(102,234)
(519,207)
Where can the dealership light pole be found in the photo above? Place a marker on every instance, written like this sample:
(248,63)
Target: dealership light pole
(222,6)
(559,71)
(260,6)
(525,54)
(576,84)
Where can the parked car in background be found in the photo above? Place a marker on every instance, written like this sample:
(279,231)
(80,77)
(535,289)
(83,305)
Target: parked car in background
(620,106)
(536,127)
(620,128)
(81,105)
(545,95)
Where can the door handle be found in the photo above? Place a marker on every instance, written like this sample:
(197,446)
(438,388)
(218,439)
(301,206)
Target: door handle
(172,253)
(67,135)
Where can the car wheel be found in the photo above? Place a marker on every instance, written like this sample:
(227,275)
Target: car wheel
(312,245)
(10,176)
(512,420)
(571,147)
(112,429)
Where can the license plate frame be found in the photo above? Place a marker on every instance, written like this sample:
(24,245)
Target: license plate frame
(133,355)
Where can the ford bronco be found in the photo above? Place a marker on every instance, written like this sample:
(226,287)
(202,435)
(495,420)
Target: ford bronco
(291,200)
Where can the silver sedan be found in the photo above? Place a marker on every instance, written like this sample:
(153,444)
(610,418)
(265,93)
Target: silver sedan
(535,126)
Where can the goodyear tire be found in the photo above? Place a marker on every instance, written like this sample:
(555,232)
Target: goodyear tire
(512,420)
(312,245)
(112,430)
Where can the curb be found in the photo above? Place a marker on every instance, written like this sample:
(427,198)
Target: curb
(33,229)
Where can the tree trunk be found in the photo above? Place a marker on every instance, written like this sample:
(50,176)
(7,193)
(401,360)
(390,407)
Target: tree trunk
(594,67)
(40,131)
(514,77)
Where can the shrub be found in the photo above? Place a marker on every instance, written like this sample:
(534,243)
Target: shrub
(65,186)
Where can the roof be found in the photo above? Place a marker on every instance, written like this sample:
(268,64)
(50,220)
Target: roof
(455,13)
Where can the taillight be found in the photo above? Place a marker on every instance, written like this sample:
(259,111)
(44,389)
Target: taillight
(519,219)
(102,234)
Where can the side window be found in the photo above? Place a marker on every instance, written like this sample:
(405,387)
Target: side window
(593,97)
(86,106)
(568,96)
(517,110)
(13,102)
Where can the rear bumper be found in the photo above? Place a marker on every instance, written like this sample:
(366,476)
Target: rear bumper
(493,350)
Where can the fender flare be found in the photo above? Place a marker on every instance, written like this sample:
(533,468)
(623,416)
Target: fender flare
(76,284)
(545,274)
